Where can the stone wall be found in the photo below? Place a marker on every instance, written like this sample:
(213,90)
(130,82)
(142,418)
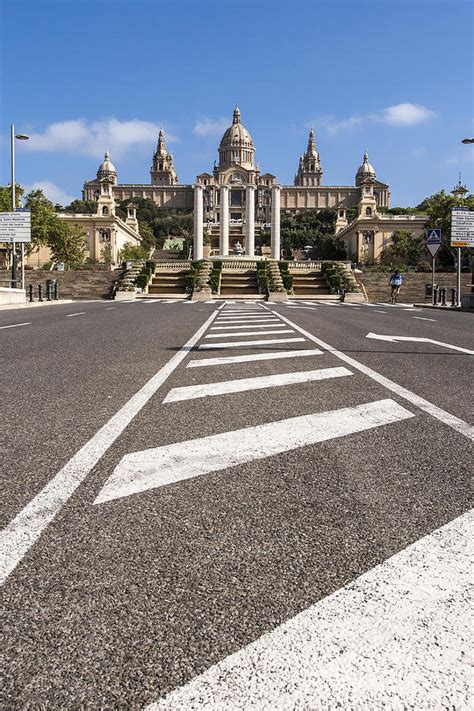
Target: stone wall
(74,284)
(377,285)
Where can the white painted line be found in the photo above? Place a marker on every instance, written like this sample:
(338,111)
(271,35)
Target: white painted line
(243,312)
(309,303)
(416,339)
(264,324)
(446,417)
(282,329)
(422,318)
(226,387)
(329,303)
(276,355)
(249,319)
(239,344)
(397,637)
(159,466)
(308,308)
(186,301)
(16,325)
(378,311)
(210,302)
(24,530)
(109,308)
(79,313)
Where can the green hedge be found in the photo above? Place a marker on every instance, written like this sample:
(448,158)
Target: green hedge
(215,277)
(338,277)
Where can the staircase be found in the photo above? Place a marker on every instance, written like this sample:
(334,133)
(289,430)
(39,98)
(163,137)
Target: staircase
(239,282)
(167,282)
(309,283)
(171,255)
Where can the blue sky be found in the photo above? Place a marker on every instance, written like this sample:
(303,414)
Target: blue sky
(394,77)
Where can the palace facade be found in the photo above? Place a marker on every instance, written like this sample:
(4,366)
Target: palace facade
(236,201)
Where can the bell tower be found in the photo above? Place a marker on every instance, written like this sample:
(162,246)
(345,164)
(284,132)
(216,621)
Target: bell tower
(162,170)
(309,168)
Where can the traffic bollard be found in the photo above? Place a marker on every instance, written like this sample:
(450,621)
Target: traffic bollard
(56,295)
(435,295)
(30,292)
(343,294)
(443,297)
(48,291)
(40,292)
(454,297)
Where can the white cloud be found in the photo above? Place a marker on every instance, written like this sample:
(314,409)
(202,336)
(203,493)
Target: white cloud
(210,127)
(52,192)
(404,114)
(92,138)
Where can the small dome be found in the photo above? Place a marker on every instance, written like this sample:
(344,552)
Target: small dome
(106,167)
(366,169)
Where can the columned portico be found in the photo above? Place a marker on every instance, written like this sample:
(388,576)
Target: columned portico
(224,221)
(275,224)
(198,222)
(250,221)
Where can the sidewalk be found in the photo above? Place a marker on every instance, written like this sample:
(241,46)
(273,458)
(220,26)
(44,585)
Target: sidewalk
(32,304)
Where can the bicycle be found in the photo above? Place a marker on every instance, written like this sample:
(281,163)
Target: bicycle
(394,294)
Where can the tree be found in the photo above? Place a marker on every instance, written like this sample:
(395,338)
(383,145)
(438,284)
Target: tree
(85,207)
(6,197)
(147,237)
(406,248)
(438,208)
(131,251)
(68,243)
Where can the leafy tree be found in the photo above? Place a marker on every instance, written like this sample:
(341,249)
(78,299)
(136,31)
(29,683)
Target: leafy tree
(130,251)
(315,229)
(68,243)
(406,248)
(6,197)
(85,207)
(438,208)
(106,255)
(147,237)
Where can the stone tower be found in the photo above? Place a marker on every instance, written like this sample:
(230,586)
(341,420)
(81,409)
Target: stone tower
(162,170)
(309,168)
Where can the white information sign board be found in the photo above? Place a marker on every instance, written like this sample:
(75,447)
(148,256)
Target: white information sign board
(462,227)
(15,226)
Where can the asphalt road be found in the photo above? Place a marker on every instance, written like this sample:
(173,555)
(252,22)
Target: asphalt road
(163,512)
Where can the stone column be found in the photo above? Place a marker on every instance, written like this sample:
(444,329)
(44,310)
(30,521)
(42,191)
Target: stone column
(275,225)
(224,221)
(198,224)
(250,221)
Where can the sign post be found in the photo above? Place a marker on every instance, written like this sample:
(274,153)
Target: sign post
(15,228)
(433,243)
(462,235)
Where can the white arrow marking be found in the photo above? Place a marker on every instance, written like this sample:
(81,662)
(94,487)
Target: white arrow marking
(225,387)
(394,339)
(159,466)
(397,637)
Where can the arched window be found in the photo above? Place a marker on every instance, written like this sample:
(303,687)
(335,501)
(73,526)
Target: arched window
(368,212)
(105,210)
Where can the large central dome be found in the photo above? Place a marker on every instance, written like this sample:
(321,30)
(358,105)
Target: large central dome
(236,146)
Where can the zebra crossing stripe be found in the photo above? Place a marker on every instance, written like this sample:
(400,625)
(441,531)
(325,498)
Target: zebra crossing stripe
(393,638)
(276,355)
(262,324)
(282,329)
(227,387)
(159,466)
(241,344)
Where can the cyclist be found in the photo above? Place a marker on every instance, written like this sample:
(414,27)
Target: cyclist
(396,280)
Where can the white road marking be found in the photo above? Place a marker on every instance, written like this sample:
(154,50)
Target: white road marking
(446,417)
(394,638)
(239,344)
(422,318)
(226,360)
(415,339)
(79,313)
(226,387)
(282,329)
(378,311)
(243,312)
(247,319)
(159,466)
(330,303)
(109,308)
(308,308)
(16,325)
(262,324)
(25,529)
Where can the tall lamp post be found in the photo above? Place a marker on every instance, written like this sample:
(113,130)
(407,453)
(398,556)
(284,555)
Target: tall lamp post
(467,141)
(20,137)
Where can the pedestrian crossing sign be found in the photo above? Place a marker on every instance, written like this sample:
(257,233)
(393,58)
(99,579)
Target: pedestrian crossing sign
(433,241)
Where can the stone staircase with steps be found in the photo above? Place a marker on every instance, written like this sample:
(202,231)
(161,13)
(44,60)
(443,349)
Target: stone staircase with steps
(311,284)
(166,255)
(237,283)
(167,282)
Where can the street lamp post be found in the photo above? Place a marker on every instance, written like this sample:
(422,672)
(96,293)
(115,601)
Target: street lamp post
(20,137)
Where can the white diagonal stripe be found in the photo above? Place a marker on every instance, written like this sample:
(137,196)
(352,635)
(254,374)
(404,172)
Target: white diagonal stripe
(238,344)
(226,387)
(275,355)
(397,637)
(160,466)
(282,329)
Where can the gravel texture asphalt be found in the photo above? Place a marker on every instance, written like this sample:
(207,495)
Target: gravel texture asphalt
(118,603)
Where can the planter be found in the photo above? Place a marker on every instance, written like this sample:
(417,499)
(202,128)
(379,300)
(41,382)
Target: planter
(205,294)
(277,296)
(125,295)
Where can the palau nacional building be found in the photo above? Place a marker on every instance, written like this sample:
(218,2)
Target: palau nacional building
(235,202)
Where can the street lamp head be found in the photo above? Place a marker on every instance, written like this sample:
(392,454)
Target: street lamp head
(467,140)
(21,136)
